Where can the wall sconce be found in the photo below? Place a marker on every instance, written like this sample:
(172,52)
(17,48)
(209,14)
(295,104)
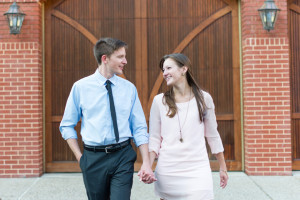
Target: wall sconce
(15,18)
(268,14)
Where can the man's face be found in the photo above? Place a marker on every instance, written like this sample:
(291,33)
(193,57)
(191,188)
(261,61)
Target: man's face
(116,62)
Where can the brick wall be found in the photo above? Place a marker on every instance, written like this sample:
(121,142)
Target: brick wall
(266,92)
(21,112)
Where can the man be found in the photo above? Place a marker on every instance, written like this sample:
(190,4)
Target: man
(111,114)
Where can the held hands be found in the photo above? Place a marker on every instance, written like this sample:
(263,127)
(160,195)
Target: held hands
(146,174)
(223,178)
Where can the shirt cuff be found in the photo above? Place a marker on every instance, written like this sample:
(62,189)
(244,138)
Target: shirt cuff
(68,134)
(141,139)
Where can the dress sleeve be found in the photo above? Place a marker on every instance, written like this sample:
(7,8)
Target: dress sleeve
(154,127)
(210,125)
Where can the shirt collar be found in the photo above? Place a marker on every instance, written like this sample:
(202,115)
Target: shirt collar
(101,79)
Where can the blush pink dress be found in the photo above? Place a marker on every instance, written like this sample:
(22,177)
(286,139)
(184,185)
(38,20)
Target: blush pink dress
(183,171)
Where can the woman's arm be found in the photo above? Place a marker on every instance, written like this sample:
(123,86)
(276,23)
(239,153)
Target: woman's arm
(213,138)
(223,169)
(152,156)
(154,139)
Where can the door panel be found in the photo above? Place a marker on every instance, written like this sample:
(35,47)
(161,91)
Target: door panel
(205,30)
(294,31)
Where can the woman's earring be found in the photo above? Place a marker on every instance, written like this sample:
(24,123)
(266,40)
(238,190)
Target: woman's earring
(182,74)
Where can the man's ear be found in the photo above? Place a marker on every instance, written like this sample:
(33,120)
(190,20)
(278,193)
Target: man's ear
(104,59)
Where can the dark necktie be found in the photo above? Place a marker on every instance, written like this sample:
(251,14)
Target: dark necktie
(112,109)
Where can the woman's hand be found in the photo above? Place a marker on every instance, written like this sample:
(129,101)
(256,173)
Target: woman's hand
(146,177)
(223,178)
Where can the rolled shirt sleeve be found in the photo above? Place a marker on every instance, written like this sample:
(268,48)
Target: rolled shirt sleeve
(71,115)
(137,121)
(210,126)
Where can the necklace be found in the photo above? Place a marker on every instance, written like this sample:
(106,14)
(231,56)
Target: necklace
(181,127)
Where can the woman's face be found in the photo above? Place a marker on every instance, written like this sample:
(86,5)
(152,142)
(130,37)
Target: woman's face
(172,73)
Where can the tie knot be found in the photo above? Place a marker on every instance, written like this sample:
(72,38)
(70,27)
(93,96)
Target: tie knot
(108,85)
(108,82)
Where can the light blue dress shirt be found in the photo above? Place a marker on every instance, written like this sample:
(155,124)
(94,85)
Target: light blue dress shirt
(89,101)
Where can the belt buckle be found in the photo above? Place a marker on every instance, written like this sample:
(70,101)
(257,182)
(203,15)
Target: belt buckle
(106,148)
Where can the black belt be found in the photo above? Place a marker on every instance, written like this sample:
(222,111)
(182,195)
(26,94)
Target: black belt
(107,148)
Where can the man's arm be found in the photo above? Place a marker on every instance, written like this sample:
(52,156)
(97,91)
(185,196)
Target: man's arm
(146,174)
(138,127)
(73,144)
(71,115)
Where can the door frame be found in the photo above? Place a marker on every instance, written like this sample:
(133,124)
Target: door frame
(142,79)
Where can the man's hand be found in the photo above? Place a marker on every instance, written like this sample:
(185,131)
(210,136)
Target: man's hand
(146,174)
(73,144)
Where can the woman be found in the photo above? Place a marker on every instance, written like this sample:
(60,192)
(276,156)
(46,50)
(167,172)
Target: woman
(180,120)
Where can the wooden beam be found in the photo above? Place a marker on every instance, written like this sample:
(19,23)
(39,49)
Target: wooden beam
(295,115)
(295,8)
(75,25)
(225,117)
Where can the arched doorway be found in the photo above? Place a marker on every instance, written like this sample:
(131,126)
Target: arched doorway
(205,30)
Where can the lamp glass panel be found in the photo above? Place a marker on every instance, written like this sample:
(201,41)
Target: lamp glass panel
(21,17)
(10,20)
(263,16)
(14,19)
(269,19)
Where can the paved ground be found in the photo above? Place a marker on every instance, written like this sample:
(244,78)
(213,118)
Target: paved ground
(69,186)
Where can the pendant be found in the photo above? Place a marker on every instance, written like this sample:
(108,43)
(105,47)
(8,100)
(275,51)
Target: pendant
(181,140)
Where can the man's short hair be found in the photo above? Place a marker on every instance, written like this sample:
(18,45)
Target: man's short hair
(107,46)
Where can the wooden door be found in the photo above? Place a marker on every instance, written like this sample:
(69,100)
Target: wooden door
(205,30)
(294,32)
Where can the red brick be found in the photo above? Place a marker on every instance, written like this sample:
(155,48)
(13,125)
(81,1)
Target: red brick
(270,165)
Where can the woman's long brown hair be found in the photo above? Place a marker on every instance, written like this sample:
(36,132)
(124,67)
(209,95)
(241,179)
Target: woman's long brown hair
(169,99)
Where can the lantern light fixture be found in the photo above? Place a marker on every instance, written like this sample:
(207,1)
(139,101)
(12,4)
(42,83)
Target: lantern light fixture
(15,18)
(268,14)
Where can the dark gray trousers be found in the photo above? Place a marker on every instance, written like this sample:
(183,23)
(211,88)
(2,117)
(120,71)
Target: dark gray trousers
(108,176)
